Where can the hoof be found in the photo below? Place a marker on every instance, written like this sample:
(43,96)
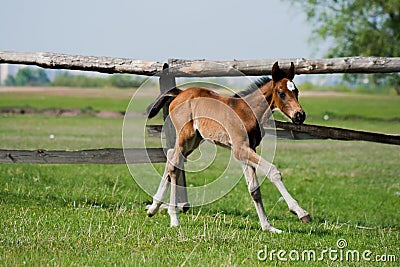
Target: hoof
(185,206)
(275,230)
(271,229)
(174,223)
(151,210)
(306,219)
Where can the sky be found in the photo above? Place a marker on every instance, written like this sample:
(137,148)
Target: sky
(157,30)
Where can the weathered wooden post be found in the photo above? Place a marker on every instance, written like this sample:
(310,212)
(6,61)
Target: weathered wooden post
(167,82)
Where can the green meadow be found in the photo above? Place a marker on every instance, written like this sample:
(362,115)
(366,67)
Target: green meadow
(93,215)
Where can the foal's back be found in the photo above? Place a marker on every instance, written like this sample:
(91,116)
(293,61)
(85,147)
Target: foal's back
(225,120)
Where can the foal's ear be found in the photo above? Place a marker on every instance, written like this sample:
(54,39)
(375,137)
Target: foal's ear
(290,72)
(277,73)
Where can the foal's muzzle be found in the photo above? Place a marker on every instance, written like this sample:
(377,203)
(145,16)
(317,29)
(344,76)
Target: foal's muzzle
(299,117)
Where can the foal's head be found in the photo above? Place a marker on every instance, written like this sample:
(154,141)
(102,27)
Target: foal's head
(285,94)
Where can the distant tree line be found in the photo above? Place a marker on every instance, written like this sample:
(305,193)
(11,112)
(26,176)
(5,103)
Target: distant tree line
(28,77)
(38,77)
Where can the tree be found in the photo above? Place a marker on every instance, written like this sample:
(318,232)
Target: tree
(125,81)
(28,76)
(357,27)
(10,81)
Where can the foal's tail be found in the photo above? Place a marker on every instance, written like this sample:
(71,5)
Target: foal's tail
(155,107)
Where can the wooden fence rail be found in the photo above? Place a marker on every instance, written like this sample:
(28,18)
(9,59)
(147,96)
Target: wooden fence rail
(93,156)
(287,130)
(85,63)
(157,155)
(324,132)
(206,68)
(202,68)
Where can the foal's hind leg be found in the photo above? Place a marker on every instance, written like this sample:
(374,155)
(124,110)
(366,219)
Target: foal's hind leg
(255,192)
(176,160)
(159,197)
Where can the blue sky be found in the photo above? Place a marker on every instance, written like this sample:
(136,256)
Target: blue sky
(157,30)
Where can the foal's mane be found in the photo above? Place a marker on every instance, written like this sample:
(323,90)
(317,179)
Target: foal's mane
(253,86)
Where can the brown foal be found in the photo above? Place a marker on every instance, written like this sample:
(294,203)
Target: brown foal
(233,122)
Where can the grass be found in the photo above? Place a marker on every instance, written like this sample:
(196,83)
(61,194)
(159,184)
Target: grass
(94,214)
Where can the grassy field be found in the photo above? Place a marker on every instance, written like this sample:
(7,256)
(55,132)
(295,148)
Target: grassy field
(65,215)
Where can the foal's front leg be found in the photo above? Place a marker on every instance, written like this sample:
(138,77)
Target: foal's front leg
(255,192)
(275,177)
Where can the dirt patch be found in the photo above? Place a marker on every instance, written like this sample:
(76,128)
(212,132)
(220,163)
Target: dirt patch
(67,112)
(109,114)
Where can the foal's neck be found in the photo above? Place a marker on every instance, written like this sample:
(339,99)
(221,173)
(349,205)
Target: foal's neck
(260,101)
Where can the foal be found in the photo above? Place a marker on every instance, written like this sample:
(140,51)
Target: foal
(233,122)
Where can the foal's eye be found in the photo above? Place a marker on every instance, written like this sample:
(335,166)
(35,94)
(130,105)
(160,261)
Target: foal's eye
(281,94)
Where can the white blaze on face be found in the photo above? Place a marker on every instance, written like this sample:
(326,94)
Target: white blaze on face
(290,86)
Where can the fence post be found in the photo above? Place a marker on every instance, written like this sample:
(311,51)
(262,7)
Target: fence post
(167,82)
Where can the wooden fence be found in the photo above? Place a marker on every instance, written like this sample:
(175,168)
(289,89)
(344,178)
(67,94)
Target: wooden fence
(201,68)
(167,73)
